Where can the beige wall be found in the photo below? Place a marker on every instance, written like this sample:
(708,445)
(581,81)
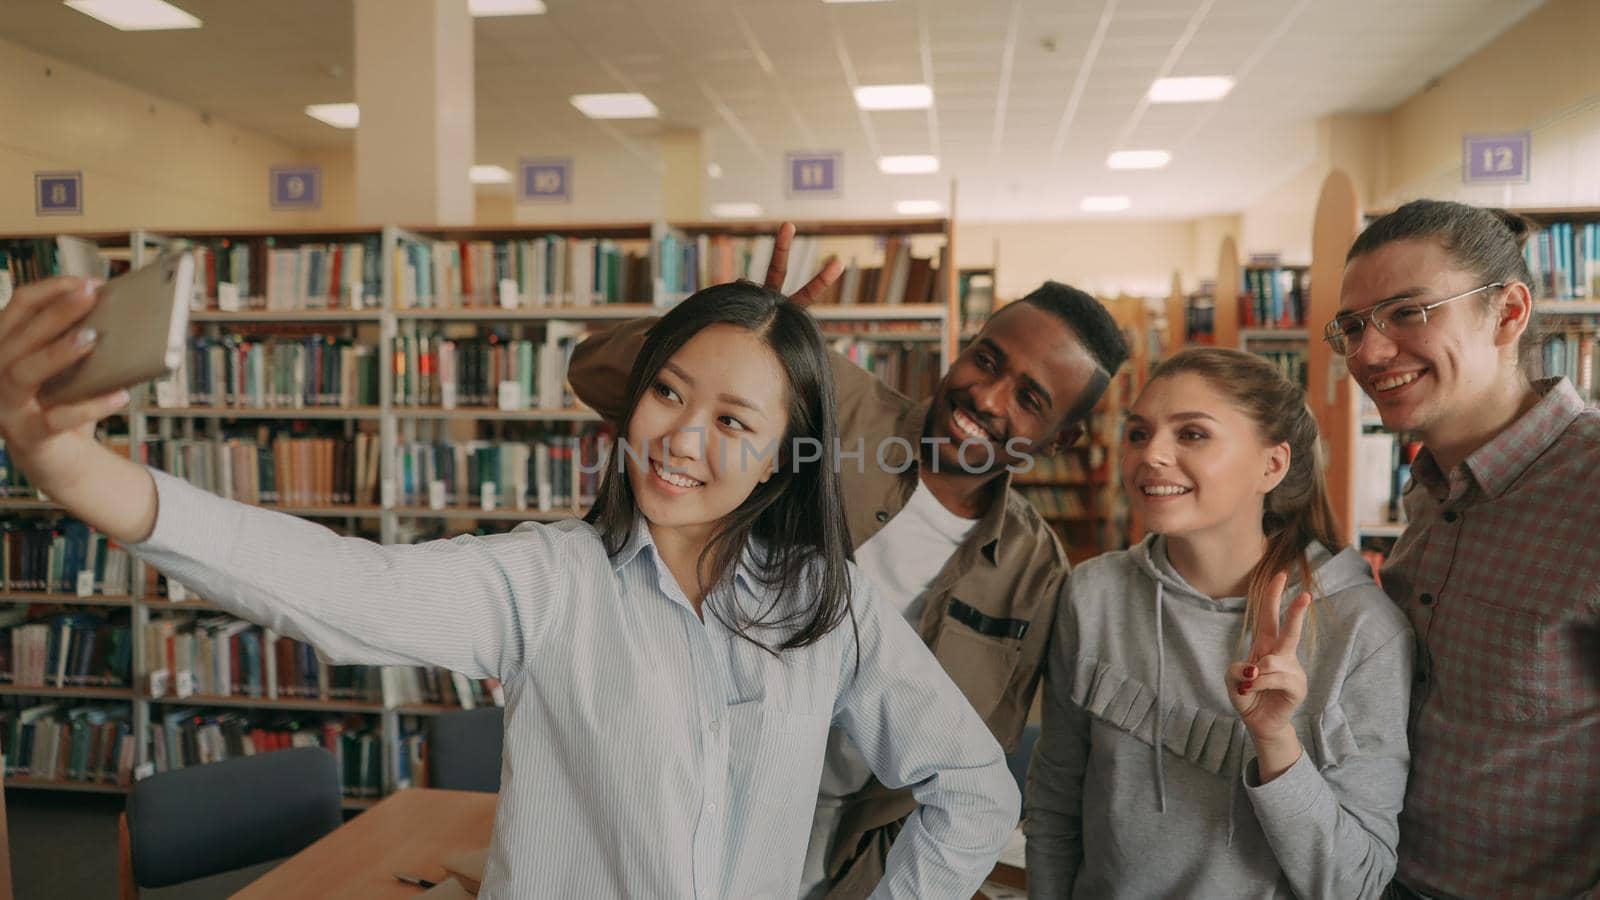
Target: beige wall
(146,161)
(1279,220)
(1543,76)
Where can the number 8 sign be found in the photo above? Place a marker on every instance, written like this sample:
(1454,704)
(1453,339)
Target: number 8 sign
(1494,158)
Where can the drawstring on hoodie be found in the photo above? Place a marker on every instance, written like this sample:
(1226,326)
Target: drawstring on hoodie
(1159,726)
(1161,718)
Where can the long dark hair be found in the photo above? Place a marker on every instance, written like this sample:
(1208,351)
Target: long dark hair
(1297,511)
(798,512)
(1485,241)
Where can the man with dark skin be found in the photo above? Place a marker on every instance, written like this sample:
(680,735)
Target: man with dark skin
(934,521)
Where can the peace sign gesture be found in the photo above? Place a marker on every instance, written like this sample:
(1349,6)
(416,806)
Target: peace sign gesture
(1269,685)
(778,270)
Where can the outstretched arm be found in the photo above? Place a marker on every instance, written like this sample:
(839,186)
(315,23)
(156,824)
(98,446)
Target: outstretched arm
(477,606)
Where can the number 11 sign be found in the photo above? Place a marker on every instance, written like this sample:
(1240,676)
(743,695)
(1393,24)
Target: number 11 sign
(1492,158)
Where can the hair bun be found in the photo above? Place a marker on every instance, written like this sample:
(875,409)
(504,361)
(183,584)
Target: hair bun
(1520,226)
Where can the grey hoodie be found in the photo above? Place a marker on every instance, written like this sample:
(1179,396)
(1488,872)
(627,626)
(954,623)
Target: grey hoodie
(1109,816)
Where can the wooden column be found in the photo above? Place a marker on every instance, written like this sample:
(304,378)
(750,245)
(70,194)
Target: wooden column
(1226,304)
(1333,395)
(1177,317)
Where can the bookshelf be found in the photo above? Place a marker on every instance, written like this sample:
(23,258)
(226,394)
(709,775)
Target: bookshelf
(896,311)
(367,291)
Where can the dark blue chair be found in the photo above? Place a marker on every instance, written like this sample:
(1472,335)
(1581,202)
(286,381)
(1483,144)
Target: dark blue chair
(203,820)
(464,750)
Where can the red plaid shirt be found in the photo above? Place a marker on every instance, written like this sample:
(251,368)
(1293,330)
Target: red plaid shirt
(1500,575)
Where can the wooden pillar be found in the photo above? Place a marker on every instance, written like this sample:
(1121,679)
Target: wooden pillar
(1331,394)
(1226,304)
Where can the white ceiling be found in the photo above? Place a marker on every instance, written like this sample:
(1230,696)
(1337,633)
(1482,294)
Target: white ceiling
(1029,95)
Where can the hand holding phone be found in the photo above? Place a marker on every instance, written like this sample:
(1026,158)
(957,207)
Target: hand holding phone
(140,321)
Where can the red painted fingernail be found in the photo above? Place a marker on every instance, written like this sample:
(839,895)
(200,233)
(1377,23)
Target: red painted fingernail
(1249,671)
(1244,687)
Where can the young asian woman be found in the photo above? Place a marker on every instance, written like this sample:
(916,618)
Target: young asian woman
(672,663)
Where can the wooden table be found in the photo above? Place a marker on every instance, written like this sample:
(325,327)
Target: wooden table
(412,831)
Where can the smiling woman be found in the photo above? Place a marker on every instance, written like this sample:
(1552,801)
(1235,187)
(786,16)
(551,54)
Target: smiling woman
(1220,454)
(721,393)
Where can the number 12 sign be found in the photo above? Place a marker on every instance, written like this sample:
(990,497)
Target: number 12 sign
(1490,158)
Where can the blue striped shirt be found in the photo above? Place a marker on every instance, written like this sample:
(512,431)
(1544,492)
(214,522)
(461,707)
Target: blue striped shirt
(647,753)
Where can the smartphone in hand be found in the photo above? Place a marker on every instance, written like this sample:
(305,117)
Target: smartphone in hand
(142,319)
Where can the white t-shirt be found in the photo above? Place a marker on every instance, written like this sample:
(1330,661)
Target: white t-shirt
(901,560)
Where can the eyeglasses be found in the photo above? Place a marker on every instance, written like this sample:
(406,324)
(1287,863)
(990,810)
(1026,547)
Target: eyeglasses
(1398,319)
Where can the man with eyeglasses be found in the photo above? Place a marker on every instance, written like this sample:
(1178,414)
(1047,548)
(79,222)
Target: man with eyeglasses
(1499,568)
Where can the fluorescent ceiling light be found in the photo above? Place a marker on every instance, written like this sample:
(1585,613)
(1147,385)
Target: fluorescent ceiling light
(1139,159)
(736,210)
(894,96)
(483,8)
(339,115)
(908,165)
(489,175)
(714,171)
(917,207)
(615,106)
(1190,90)
(1105,204)
(136,15)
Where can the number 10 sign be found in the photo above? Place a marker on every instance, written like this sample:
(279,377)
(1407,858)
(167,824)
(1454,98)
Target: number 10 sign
(1490,158)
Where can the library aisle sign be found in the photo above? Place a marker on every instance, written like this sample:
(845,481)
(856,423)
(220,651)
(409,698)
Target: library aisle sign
(297,187)
(1495,158)
(58,193)
(544,181)
(815,174)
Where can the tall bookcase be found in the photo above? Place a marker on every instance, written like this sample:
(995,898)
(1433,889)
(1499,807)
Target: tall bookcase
(421,288)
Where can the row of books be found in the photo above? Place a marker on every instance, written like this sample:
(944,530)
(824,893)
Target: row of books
(1274,298)
(1063,468)
(421,685)
(1383,467)
(89,743)
(234,274)
(1056,502)
(215,655)
(274,372)
(690,263)
(494,370)
(218,655)
(61,556)
(548,471)
(1290,361)
(519,274)
(31,259)
(1200,320)
(62,649)
(912,368)
(1564,259)
(280,468)
(193,736)
(1573,352)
